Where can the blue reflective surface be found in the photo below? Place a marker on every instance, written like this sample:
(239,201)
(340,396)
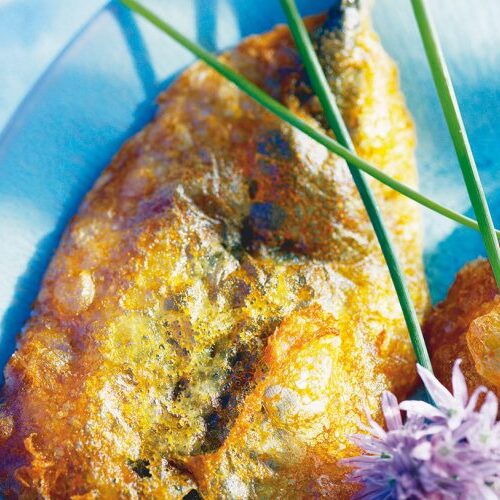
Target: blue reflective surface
(31,36)
(102,89)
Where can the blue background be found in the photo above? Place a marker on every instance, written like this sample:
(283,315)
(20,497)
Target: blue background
(32,33)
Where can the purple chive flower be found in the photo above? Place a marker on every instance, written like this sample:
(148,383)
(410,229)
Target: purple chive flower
(447,451)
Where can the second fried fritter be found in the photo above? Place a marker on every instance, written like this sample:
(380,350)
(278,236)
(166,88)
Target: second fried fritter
(466,325)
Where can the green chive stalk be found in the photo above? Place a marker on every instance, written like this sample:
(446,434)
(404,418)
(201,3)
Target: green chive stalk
(286,115)
(335,121)
(451,110)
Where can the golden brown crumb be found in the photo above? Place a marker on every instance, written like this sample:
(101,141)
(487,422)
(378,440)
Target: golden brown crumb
(466,325)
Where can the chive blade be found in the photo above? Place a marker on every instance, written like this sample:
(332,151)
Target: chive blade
(336,123)
(451,111)
(286,115)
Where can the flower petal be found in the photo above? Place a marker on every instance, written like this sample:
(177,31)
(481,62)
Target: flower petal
(429,430)
(421,409)
(487,493)
(391,411)
(458,383)
(441,396)
(423,451)
(489,409)
(374,428)
(368,443)
(446,452)
(470,424)
(471,405)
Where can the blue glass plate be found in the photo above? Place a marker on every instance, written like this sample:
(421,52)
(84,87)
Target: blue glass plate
(102,89)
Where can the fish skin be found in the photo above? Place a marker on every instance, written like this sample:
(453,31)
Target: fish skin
(218,313)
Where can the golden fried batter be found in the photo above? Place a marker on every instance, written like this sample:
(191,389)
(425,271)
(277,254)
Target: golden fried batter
(466,325)
(219,311)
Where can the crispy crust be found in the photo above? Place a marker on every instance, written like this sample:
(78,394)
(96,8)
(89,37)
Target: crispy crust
(466,326)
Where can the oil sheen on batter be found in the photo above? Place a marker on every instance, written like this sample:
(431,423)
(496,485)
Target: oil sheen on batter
(466,326)
(218,312)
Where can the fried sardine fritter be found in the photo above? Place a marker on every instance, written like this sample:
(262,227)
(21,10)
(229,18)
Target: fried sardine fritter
(466,325)
(219,313)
